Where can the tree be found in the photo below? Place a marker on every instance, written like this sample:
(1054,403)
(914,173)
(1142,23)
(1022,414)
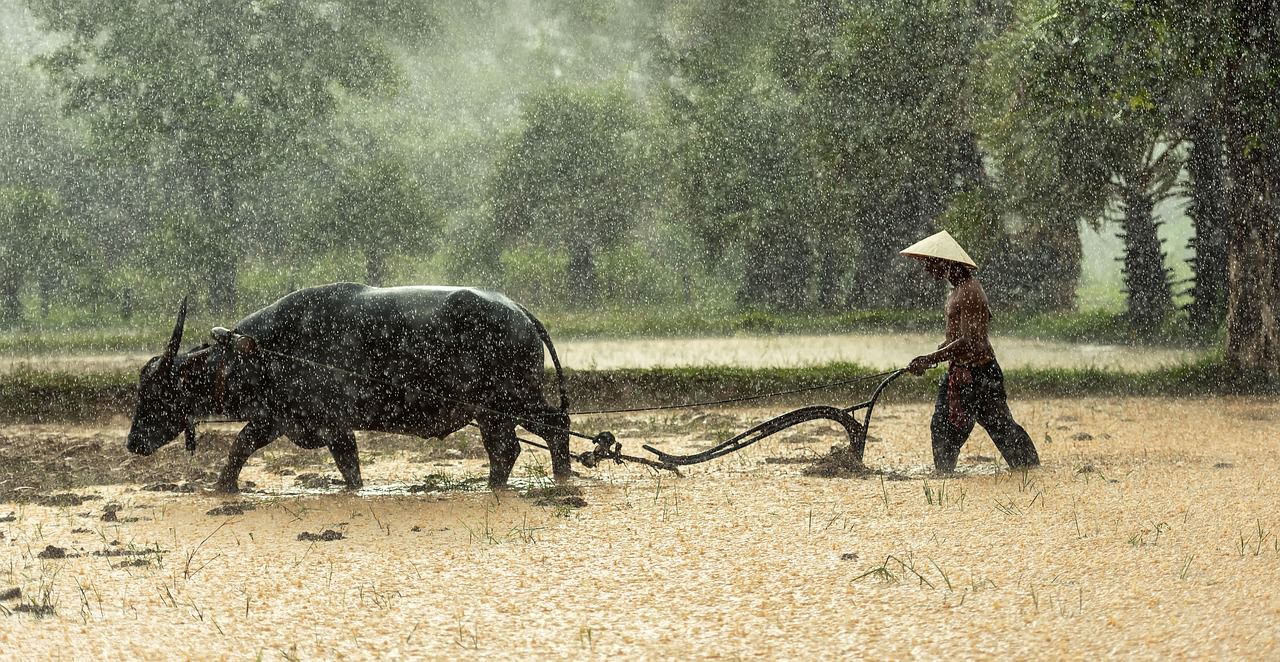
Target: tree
(744,171)
(1248,59)
(574,176)
(885,88)
(378,208)
(1206,175)
(1091,121)
(227,86)
(1174,59)
(37,244)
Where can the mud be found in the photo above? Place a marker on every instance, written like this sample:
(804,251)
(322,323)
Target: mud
(326,536)
(1149,532)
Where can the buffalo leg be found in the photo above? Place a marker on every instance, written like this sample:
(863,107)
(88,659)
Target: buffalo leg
(499,438)
(553,427)
(347,457)
(253,436)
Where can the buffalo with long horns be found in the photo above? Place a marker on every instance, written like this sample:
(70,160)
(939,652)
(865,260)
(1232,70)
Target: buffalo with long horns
(326,361)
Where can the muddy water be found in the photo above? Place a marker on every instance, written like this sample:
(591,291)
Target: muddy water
(874,351)
(1149,532)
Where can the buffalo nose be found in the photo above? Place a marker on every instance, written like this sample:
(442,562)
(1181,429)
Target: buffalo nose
(136,446)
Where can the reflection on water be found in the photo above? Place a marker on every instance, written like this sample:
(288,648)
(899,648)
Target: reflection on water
(883,352)
(878,351)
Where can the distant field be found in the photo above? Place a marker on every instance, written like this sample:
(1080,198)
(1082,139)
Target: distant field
(879,351)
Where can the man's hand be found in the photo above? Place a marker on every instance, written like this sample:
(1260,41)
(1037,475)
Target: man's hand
(919,364)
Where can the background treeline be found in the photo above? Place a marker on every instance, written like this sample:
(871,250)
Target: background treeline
(745,154)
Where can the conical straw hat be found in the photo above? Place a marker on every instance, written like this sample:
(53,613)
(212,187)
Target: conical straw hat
(942,246)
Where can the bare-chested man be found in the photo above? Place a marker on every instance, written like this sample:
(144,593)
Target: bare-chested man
(972,390)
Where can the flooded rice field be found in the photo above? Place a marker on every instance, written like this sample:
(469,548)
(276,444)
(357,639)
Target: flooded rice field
(1150,531)
(881,352)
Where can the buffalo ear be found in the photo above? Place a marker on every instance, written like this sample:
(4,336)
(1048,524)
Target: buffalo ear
(237,341)
(244,344)
(175,341)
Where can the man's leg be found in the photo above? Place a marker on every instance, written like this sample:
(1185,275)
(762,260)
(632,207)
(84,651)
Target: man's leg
(947,438)
(991,408)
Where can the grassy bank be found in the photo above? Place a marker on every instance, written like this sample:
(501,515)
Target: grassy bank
(47,397)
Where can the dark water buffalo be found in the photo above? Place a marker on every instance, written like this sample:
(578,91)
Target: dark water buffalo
(323,362)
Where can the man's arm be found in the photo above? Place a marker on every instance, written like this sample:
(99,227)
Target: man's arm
(972,328)
(944,353)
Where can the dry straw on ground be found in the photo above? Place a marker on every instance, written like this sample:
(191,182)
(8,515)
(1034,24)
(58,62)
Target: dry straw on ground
(1150,532)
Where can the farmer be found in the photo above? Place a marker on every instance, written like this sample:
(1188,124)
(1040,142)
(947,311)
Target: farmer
(972,390)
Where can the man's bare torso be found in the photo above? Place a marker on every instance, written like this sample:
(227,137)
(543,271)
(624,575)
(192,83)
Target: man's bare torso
(968,315)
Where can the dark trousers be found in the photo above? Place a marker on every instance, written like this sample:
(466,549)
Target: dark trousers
(981,400)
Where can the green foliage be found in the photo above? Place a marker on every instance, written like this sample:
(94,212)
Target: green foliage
(533,274)
(1084,115)
(886,91)
(745,170)
(574,177)
(631,275)
(228,88)
(39,244)
(378,208)
(33,147)
(228,83)
(796,146)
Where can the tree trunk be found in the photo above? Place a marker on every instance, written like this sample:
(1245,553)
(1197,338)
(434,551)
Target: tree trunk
(1062,264)
(45,289)
(1037,269)
(218,193)
(1253,271)
(1253,233)
(582,274)
(1209,242)
(881,277)
(779,265)
(1146,279)
(830,274)
(10,299)
(375,268)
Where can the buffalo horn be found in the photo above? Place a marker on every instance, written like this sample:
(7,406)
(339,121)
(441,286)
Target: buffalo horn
(176,339)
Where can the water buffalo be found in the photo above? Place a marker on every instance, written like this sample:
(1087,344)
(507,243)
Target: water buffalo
(325,361)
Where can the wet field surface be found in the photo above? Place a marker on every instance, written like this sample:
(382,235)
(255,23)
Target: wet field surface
(881,352)
(1150,532)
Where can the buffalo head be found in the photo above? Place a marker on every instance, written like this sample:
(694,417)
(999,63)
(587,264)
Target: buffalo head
(163,409)
(174,389)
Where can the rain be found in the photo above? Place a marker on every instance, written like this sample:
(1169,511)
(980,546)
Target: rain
(649,329)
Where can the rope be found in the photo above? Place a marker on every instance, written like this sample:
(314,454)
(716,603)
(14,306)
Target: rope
(748,398)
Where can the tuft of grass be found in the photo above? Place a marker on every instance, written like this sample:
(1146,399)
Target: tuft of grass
(1255,542)
(943,494)
(1148,536)
(443,482)
(1186,567)
(894,569)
